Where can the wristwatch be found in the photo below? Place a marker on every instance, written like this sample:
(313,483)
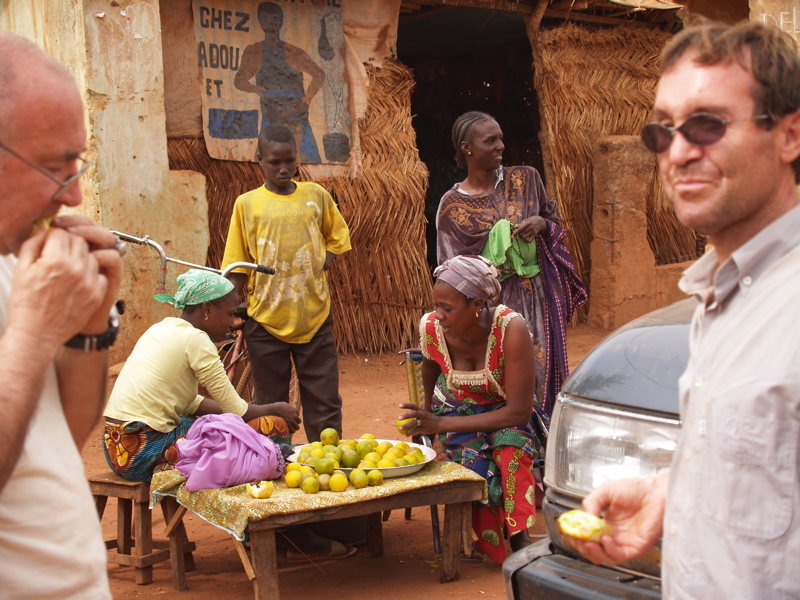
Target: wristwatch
(90,343)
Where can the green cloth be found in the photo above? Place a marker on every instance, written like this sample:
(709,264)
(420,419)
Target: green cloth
(511,256)
(195,287)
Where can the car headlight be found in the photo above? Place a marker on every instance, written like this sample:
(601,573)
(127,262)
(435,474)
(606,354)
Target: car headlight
(590,443)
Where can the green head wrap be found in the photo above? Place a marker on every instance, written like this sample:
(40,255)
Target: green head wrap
(195,287)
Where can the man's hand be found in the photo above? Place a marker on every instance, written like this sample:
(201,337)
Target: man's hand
(65,282)
(102,246)
(635,510)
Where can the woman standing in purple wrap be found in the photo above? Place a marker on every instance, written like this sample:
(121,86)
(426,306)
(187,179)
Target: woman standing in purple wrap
(504,214)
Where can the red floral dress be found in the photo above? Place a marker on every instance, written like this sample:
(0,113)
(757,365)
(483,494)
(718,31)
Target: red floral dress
(503,457)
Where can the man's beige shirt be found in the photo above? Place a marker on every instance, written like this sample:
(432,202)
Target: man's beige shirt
(732,526)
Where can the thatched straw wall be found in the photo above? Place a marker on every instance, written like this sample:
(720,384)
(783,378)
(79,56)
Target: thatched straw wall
(382,286)
(593,83)
(384,282)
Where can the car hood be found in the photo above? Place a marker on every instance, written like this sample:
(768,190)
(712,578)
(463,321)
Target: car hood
(638,366)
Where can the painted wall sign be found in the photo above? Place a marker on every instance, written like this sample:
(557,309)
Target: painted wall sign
(276,62)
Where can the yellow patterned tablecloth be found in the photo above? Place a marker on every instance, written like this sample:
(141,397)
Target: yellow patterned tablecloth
(233,508)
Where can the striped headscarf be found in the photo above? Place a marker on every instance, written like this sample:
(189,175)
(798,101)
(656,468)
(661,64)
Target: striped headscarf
(473,276)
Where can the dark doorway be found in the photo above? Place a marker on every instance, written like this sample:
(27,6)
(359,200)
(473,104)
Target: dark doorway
(468,59)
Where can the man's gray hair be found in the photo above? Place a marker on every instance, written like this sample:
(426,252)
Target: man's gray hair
(18,55)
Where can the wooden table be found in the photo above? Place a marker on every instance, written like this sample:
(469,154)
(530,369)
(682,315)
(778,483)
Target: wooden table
(455,495)
(261,560)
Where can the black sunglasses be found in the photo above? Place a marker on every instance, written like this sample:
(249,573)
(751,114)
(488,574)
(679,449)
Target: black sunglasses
(700,129)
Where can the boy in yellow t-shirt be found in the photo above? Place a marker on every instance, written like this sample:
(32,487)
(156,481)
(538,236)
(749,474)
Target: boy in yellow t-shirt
(296,228)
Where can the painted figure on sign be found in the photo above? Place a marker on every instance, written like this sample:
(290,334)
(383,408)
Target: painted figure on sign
(278,68)
(336,142)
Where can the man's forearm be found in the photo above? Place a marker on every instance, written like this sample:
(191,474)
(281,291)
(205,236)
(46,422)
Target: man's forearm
(82,380)
(21,382)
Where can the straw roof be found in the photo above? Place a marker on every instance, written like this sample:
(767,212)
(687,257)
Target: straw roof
(382,286)
(608,12)
(594,83)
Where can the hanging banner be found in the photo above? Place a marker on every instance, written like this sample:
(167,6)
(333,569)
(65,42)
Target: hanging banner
(267,63)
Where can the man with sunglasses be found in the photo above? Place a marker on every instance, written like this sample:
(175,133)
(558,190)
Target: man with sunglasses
(58,284)
(727,139)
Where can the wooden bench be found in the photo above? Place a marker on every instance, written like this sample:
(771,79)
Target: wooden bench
(134,545)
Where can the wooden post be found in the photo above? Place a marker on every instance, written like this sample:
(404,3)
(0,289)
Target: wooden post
(244,556)
(533,23)
(181,558)
(124,520)
(375,535)
(534,20)
(264,559)
(143,545)
(451,541)
(177,562)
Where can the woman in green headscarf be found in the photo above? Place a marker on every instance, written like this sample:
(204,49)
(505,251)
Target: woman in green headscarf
(155,399)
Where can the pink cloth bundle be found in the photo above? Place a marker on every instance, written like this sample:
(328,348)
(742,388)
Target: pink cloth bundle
(222,450)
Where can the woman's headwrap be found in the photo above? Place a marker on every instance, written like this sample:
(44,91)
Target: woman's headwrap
(195,287)
(473,276)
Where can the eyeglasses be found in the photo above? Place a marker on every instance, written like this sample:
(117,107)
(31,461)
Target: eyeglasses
(700,129)
(62,185)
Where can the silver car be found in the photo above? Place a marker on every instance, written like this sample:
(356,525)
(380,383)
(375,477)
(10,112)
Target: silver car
(616,417)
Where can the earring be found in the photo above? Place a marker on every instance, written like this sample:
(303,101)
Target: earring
(469,153)
(477,314)
(206,317)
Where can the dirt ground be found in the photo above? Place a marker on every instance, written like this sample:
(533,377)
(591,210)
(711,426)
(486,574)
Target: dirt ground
(371,387)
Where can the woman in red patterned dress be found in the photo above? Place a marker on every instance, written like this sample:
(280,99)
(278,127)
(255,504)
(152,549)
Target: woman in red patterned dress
(479,387)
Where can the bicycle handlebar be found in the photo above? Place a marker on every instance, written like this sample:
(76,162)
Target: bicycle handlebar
(146,241)
(246,265)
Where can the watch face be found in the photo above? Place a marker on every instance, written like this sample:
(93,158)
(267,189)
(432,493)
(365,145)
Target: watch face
(113,317)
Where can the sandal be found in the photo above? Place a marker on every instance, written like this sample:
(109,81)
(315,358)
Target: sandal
(338,551)
(474,556)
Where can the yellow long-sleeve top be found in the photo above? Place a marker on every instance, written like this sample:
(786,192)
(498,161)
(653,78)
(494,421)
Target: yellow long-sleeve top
(292,233)
(158,384)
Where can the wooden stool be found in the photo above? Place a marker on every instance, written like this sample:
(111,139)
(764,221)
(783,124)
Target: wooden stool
(134,543)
